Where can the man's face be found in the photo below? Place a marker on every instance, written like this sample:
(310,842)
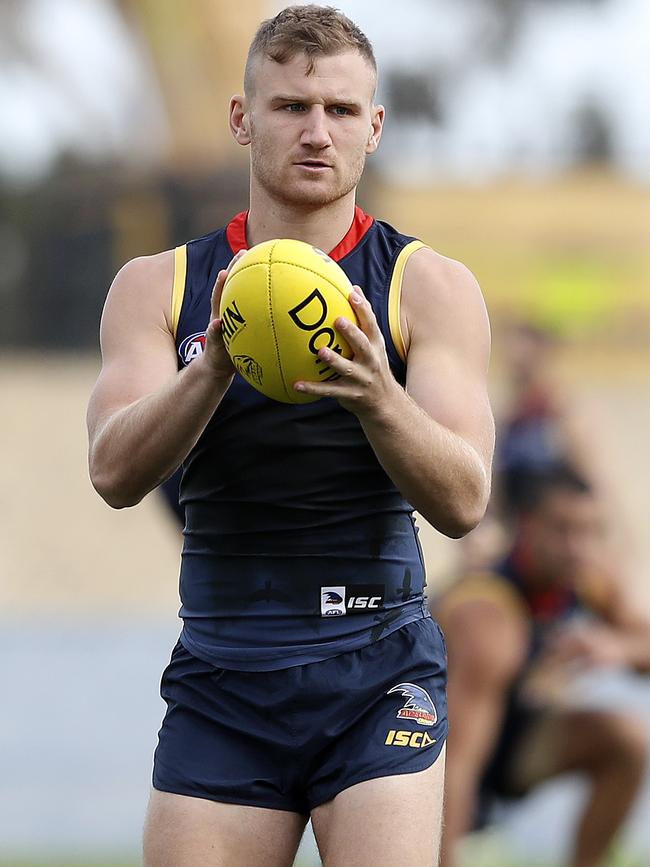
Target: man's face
(310,134)
(566,535)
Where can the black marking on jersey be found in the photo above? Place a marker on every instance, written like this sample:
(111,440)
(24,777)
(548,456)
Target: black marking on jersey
(406,585)
(383,623)
(268,594)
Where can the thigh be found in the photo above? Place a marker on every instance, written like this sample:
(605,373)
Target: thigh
(587,739)
(385,822)
(183,831)
(570,741)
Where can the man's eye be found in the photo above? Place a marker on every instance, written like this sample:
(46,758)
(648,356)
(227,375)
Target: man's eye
(295,106)
(341,110)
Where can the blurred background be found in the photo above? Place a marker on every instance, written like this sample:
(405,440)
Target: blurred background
(517,140)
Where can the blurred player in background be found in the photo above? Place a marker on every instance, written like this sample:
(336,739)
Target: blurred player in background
(276,709)
(518,635)
(537,429)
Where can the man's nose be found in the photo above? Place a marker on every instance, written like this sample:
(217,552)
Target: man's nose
(316,133)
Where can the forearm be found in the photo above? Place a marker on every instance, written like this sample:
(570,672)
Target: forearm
(142,444)
(436,470)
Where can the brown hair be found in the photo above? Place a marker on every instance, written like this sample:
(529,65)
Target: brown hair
(316,31)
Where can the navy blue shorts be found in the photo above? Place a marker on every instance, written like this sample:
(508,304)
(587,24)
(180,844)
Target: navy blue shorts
(293,739)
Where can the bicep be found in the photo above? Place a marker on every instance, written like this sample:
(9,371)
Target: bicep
(138,350)
(449,348)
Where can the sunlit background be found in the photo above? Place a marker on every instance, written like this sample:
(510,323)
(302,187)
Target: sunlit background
(517,140)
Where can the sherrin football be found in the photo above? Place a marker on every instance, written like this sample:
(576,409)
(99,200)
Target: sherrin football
(278,308)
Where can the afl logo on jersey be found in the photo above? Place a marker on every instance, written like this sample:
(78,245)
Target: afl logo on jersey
(192,347)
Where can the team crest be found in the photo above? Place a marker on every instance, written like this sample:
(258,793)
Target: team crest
(332,601)
(192,347)
(419,708)
(248,368)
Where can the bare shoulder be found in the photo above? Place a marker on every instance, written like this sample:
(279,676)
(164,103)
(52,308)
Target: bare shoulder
(143,287)
(442,297)
(138,350)
(486,635)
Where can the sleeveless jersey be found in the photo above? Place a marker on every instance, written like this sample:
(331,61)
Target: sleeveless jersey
(297,545)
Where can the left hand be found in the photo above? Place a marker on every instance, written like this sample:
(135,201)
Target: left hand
(366,379)
(588,646)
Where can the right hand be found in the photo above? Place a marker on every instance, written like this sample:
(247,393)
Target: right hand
(216,355)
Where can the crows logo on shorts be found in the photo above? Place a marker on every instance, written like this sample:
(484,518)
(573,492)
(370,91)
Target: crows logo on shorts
(192,347)
(419,707)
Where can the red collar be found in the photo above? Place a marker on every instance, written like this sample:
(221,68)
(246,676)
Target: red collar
(236,233)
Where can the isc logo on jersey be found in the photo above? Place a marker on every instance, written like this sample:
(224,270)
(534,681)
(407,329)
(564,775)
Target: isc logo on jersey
(192,347)
(363,597)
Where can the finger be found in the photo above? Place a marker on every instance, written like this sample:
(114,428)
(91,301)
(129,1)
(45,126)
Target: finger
(214,329)
(357,339)
(235,259)
(222,276)
(318,389)
(365,314)
(217,291)
(338,363)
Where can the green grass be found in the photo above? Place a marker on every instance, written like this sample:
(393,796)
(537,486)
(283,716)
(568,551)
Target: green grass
(68,862)
(87,862)
(486,851)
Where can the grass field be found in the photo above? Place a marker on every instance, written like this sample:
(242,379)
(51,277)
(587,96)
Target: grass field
(476,859)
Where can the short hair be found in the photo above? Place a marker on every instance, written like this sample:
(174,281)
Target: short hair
(560,476)
(317,31)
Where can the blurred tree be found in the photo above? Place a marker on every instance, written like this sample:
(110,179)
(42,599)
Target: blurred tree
(413,95)
(197,51)
(593,134)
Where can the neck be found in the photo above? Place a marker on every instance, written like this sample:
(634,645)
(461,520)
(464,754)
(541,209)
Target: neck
(323,226)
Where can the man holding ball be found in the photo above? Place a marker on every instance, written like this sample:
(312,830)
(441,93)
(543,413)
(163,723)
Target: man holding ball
(309,679)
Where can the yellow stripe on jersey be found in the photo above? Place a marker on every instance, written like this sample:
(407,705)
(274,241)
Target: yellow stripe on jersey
(481,587)
(178,289)
(395,297)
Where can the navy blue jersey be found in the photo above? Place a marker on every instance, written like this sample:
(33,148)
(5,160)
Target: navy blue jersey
(297,546)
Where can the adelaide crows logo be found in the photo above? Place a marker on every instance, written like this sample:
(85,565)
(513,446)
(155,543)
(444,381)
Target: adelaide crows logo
(332,601)
(332,598)
(419,707)
(192,347)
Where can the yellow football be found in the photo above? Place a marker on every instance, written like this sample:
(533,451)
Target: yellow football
(278,308)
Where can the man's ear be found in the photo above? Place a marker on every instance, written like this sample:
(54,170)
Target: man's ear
(376,126)
(239,120)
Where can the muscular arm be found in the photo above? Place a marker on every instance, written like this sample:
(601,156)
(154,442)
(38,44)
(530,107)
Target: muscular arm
(144,417)
(435,438)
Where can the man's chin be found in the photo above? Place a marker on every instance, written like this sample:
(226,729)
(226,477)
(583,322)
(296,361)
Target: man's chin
(309,195)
